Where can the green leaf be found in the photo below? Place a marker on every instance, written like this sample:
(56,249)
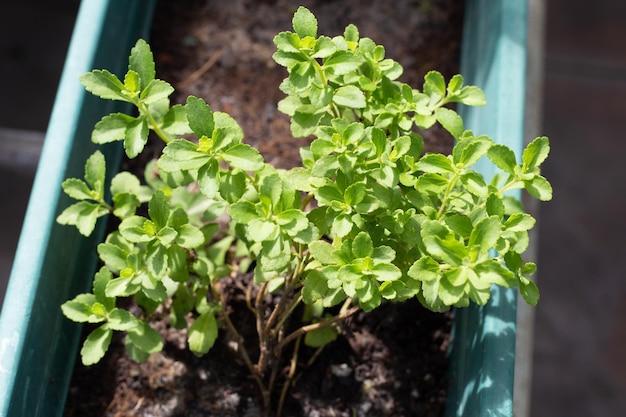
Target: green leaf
(243,211)
(323,252)
(386,272)
(305,120)
(189,236)
(469,151)
(80,309)
(485,234)
(175,121)
(244,157)
(450,120)
(519,222)
(159,209)
(529,291)
(136,136)
(77,189)
(434,84)
(95,172)
(111,128)
(200,117)
(155,91)
(341,63)
(121,320)
(304,23)
(96,345)
(83,215)
(355,193)
(435,163)
(471,96)
(103,84)
(535,153)
(321,336)
(362,245)
(502,157)
(539,187)
(141,61)
(349,96)
(145,338)
(203,333)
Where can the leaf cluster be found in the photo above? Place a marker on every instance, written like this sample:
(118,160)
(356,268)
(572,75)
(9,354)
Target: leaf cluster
(368,218)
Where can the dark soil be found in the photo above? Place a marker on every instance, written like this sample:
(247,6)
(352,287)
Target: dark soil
(390,362)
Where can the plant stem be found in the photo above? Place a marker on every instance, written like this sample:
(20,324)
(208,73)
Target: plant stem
(310,327)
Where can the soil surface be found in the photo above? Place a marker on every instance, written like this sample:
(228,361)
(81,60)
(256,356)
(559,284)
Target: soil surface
(390,362)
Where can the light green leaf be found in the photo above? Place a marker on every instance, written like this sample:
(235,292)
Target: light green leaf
(95,171)
(244,157)
(103,84)
(470,150)
(80,309)
(341,62)
(200,117)
(141,61)
(77,189)
(136,136)
(386,272)
(111,128)
(434,84)
(471,96)
(304,23)
(323,252)
(539,187)
(159,209)
(502,157)
(145,338)
(155,91)
(305,120)
(203,333)
(175,121)
(535,153)
(485,234)
(121,320)
(362,245)
(435,163)
(349,96)
(96,345)
(450,120)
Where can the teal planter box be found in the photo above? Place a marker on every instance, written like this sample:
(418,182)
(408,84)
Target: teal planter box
(53,263)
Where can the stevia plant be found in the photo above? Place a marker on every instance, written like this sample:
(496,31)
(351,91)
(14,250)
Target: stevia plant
(368,218)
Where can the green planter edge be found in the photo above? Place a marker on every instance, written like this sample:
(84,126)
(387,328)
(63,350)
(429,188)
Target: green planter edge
(38,344)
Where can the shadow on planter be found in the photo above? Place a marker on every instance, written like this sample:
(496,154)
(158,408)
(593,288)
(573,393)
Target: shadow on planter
(53,263)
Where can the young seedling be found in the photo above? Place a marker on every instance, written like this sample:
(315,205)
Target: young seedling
(367,219)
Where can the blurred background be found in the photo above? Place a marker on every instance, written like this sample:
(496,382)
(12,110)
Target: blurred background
(577,80)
